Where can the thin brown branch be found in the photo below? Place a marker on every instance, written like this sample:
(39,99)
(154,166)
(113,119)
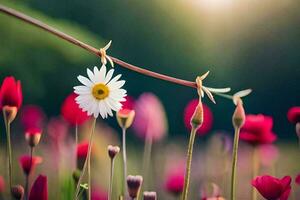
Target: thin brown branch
(91,49)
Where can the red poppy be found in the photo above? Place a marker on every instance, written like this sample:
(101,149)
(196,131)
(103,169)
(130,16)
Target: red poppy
(175,182)
(11,93)
(39,190)
(32,116)
(2,185)
(273,188)
(293,114)
(297,179)
(29,165)
(207,117)
(71,111)
(258,130)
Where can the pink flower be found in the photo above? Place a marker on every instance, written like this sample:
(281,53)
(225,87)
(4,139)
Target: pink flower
(71,111)
(98,194)
(29,165)
(268,154)
(150,118)
(258,130)
(293,114)
(207,117)
(174,183)
(11,93)
(297,179)
(57,129)
(2,185)
(32,117)
(273,188)
(39,190)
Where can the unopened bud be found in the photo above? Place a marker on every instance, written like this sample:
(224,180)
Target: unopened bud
(298,129)
(197,118)
(125,117)
(150,195)
(10,113)
(238,118)
(17,192)
(134,184)
(113,151)
(76,175)
(33,137)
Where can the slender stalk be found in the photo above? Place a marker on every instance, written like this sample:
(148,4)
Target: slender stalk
(255,162)
(27,176)
(147,159)
(124,162)
(85,166)
(188,164)
(234,162)
(111,178)
(9,152)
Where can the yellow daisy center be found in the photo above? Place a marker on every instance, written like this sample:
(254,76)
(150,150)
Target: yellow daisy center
(100,91)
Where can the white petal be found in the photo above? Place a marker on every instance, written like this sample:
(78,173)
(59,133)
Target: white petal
(108,108)
(85,81)
(82,90)
(91,75)
(108,76)
(102,74)
(116,78)
(115,85)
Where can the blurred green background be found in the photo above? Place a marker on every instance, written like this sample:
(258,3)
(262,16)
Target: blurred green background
(244,44)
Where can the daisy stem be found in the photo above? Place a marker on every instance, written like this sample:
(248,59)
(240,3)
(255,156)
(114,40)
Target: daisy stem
(9,151)
(124,161)
(234,162)
(255,162)
(85,166)
(188,164)
(111,178)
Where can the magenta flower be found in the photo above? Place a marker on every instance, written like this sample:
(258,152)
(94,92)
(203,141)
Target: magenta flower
(268,154)
(273,188)
(150,118)
(2,185)
(39,190)
(98,194)
(207,117)
(297,179)
(29,165)
(129,103)
(174,183)
(11,93)
(293,114)
(32,117)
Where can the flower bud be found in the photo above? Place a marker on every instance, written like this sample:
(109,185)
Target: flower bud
(298,129)
(125,117)
(17,192)
(33,136)
(238,118)
(197,118)
(134,184)
(150,195)
(113,151)
(10,113)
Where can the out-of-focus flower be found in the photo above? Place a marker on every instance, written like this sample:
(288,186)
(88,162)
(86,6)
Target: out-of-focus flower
(134,184)
(98,194)
(125,117)
(82,151)
(258,130)
(27,164)
(128,103)
(273,188)
(207,117)
(2,185)
(17,191)
(57,129)
(174,182)
(150,195)
(215,195)
(71,111)
(100,93)
(32,117)
(297,179)
(39,190)
(268,154)
(33,136)
(150,118)
(11,93)
(293,114)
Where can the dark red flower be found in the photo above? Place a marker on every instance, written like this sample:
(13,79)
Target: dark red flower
(297,179)
(11,93)
(71,111)
(2,185)
(82,152)
(258,130)
(32,116)
(175,182)
(39,190)
(29,165)
(129,103)
(207,117)
(273,188)
(293,114)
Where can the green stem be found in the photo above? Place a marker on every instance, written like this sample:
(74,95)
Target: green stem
(124,161)
(87,160)
(111,179)
(27,176)
(9,152)
(234,162)
(188,164)
(147,159)
(255,163)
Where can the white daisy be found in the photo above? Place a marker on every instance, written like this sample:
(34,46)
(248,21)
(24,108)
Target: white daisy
(100,93)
